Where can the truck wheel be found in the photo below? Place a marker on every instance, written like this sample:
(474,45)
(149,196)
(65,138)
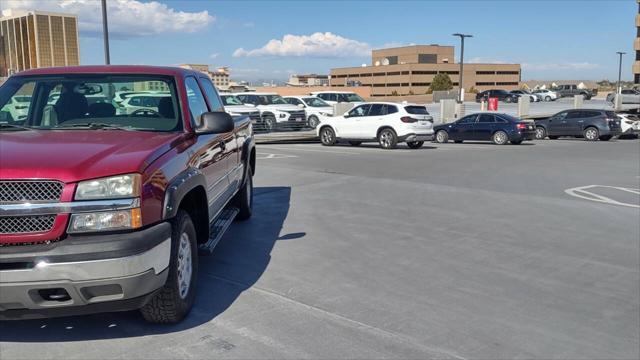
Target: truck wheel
(388,139)
(313,121)
(175,299)
(243,200)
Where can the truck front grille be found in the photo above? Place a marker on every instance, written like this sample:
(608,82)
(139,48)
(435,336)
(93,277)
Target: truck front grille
(15,191)
(26,224)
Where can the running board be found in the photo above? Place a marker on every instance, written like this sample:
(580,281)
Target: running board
(218,228)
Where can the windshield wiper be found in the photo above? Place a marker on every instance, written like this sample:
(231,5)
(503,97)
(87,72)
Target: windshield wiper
(94,126)
(12,126)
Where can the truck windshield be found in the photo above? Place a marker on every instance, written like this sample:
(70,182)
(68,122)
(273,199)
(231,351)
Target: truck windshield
(315,102)
(272,100)
(84,101)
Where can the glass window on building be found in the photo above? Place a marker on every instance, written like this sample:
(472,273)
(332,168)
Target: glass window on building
(427,58)
(57,41)
(44,44)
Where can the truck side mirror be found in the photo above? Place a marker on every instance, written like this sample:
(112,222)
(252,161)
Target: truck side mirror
(217,122)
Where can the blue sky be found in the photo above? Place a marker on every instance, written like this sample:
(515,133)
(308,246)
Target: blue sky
(552,39)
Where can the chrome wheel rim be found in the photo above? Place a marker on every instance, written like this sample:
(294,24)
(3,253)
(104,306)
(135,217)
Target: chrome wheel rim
(440,137)
(500,137)
(184,265)
(327,137)
(539,133)
(590,134)
(313,122)
(385,139)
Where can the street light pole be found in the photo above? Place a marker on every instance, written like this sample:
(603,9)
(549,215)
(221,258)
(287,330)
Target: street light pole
(105,33)
(619,88)
(461,36)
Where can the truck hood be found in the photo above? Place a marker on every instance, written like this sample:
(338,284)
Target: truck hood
(75,155)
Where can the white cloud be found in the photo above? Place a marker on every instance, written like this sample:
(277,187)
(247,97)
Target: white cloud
(324,45)
(560,66)
(214,56)
(127,18)
(481,60)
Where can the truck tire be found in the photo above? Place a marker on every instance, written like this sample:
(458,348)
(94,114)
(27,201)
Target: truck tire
(174,300)
(243,200)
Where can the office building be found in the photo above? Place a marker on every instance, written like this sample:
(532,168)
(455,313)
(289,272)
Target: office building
(219,76)
(409,70)
(308,80)
(35,39)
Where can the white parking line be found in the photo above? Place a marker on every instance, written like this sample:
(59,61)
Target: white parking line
(313,150)
(263,156)
(581,192)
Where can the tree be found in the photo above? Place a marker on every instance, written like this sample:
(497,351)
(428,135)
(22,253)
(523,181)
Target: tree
(441,82)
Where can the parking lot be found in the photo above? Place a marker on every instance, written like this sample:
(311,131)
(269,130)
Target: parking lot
(450,251)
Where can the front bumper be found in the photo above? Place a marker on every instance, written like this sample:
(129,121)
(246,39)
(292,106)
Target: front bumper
(115,270)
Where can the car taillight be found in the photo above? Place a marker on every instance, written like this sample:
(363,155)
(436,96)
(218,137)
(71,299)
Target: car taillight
(521,126)
(407,119)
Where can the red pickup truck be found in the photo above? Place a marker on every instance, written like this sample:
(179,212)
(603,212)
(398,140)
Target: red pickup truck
(106,200)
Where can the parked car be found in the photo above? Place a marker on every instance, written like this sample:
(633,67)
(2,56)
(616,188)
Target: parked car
(573,90)
(386,123)
(141,102)
(499,128)
(502,95)
(546,94)
(629,96)
(276,113)
(334,97)
(17,107)
(532,97)
(102,212)
(315,108)
(592,124)
(629,125)
(235,107)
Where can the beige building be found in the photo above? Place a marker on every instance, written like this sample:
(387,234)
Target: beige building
(34,39)
(149,86)
(636,46)
(219,76)
(308,80)
(410,70)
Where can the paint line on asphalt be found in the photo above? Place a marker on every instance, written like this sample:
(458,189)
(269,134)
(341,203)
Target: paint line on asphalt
(314,150)
(582,193)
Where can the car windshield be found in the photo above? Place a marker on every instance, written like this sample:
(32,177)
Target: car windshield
(271,100)
(315,102)
(230,100)
(82,101)
(353,97)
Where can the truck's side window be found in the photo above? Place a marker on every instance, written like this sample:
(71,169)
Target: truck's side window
(212,95)
(197,105)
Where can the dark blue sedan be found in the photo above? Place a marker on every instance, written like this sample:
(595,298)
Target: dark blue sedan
(499,128)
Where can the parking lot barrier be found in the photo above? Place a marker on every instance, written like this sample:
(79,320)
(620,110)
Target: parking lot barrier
(523,106)
(577,101)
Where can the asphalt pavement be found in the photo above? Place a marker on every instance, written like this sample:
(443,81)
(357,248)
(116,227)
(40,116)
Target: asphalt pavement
(471,251)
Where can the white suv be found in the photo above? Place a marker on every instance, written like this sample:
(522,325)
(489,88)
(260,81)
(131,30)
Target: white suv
(316,108)
(334,97)
(384,122)
(275,112)
(546,95)
(235,107)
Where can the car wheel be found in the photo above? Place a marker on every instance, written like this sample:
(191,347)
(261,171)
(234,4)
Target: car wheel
(355,143)
(174,300)
(591,134)
(500,137)
(388,139)
(552,137)
(516,142)
(541,133)
(442,137)
(415,144)
(605,138)
(313,121)
(243,200)
(269,123)
(547,98)
(327,136)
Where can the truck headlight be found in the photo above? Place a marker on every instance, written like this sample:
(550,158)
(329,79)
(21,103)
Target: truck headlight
(105,221)
(113,187)
(282,115)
